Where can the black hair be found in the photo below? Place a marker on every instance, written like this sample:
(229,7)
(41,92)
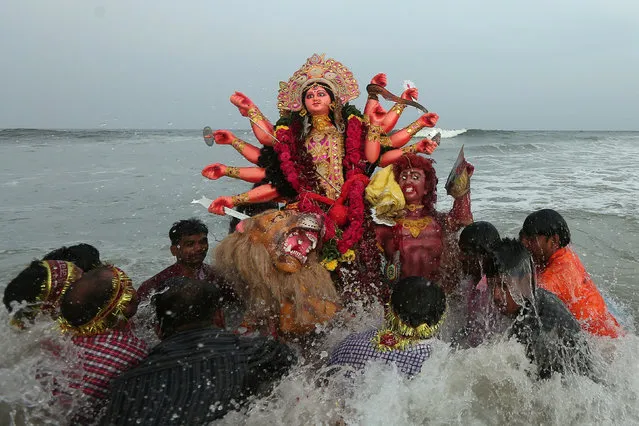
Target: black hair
(84,256)
(84,298)
(479,238)
(335,115)
(418,301)
(182,301)
(323,85)
(546,222)
(508,255)
(185,228)
(26,286)
(251,210)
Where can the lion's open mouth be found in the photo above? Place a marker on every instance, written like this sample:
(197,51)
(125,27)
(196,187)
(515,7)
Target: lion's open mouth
(300,242)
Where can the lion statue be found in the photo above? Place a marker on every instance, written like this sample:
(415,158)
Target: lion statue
(272,263)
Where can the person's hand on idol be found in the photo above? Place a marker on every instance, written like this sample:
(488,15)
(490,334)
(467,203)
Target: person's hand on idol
(242,102)
(429,119)
(214,171)
(223,137)
(380,79)
(217,206)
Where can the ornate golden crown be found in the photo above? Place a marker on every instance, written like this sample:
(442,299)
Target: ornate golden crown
(317,70)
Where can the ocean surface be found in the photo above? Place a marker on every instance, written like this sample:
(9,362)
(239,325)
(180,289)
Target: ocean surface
(121,190)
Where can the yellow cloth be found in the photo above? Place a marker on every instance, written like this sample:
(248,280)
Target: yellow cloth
(385,195)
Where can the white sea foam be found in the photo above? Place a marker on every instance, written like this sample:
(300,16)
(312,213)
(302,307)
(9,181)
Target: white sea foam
(491,384)
(428,133)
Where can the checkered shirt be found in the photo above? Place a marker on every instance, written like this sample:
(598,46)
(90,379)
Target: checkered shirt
(104,357)
(358,349)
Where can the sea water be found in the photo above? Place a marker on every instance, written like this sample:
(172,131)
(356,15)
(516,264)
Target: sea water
(122,190)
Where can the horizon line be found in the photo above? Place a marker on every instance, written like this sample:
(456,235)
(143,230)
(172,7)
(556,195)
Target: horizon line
(248,129)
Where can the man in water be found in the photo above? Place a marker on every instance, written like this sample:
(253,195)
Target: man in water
(481,318)
(189,245)
(39,285)
(546,235)
(95,310)
(416,312)
(198,372)
(541,322)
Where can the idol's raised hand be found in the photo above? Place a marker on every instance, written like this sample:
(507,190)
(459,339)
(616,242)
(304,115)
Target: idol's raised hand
(470,169)
(223,137)
(214,171)
(376,115)
(217,206)
(426,146)
(410,94)
(380,79)
(242,102)
(428,120)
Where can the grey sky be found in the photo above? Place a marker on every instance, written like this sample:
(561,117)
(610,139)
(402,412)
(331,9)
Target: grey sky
(491,64)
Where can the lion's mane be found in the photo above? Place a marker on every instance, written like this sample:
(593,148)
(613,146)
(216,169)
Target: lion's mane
(260,285)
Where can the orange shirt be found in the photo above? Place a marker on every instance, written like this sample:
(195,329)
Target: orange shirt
(566,277)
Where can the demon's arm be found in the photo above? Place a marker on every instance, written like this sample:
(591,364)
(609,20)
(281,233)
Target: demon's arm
(460,215)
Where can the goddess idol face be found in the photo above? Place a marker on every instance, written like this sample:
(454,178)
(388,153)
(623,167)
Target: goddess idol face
(317,100)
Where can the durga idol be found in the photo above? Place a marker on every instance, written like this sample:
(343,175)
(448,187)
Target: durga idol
(319,155)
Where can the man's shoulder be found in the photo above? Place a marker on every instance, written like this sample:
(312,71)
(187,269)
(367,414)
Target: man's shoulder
(168,272)
(564,257)
(152,283)
(181,348)
(553,312)
(258,343)
(357,340)
(115,338)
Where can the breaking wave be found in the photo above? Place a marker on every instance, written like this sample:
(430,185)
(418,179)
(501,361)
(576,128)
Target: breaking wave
(427,133)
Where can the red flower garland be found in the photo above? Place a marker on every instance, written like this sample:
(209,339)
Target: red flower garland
(299,170)
(354,147)
(353,233)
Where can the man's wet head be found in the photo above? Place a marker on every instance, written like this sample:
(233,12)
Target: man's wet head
(511,276)
(184,304)
(476,243)
(543,233)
